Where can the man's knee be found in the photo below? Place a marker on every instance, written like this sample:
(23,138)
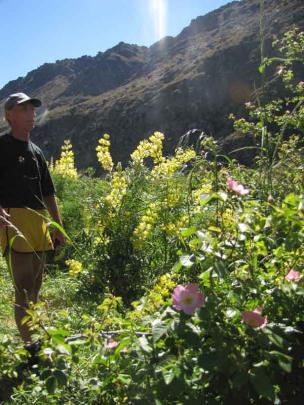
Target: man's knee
(22,297)
(25,296)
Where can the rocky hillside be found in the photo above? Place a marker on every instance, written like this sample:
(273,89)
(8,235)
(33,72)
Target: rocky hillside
(193,80)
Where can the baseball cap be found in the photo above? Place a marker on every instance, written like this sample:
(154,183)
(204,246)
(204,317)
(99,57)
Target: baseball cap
(20,98)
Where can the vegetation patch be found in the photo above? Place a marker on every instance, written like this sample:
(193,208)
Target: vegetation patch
(183,280)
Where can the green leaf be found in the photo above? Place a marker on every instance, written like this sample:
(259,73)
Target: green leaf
(188,231)
(284,360)
(61,377)
(168,375)
(205,277)
(220,267)
(45,374)
(176,268)
(78,342)
(51,384)
(275,339)
(64,348)
(58,332)
(262,68)
(243,227)
(124,378)
(210,361)
(262,384)
(230,312)
(159,328)
(194,328)
(169,369)
(144,344)
(186,261)
(206,199)
(123,344)
(58,339)
(214,229)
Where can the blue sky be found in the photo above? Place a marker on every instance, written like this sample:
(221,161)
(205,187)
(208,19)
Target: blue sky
(33,32)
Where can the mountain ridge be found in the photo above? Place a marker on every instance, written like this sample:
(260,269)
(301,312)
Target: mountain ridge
(193,80)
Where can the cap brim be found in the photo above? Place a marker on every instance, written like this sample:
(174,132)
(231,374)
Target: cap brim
(35,101)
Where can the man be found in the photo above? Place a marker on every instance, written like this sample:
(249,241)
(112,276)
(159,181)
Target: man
(26,190)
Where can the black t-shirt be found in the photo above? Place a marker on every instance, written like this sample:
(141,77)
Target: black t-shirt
(24,176)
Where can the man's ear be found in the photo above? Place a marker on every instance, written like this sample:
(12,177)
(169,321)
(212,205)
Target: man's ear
(7,117)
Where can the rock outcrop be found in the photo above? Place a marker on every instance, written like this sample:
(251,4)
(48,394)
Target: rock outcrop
(193,80)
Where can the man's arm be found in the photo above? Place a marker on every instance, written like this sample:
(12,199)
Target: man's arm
(52,207)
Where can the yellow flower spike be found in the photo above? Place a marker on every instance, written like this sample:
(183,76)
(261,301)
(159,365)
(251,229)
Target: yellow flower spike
(65,165)
(146,224)
(119,185)
(156,297)
(168,167)
(103,154)
(149,148)
(75,267)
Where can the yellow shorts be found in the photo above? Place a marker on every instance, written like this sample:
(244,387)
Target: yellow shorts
(30,226)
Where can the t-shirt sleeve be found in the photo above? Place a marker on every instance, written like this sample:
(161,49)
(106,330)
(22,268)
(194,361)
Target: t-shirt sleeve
(47,184)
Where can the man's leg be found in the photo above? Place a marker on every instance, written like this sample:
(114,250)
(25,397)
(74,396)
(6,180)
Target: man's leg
(39,262)
(27,271)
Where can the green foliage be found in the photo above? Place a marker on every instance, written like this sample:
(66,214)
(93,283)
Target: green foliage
(111,332)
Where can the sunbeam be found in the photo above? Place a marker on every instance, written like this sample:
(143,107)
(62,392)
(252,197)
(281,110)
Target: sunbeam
(158,9)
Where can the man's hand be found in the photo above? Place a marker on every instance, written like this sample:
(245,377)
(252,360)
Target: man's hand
(57,238)
(3,218)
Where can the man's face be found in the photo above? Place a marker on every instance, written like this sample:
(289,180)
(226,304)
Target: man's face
(22,117)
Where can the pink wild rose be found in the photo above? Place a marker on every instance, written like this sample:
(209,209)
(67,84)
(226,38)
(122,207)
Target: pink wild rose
(187,298)
(254,318)
(293,276)
(111,343)
(237,188)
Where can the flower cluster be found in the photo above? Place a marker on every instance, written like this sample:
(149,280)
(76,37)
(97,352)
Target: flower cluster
(237,188)
(155,298)
(187,298)
(75,267)
(103,153)
(173,194)
(254,318)
(145,226)
(65,166)
(293,276)
(149,148)
(171,199)
(101,238)
(156,148)
(141,152)
(168,166)
(228,217)
(119,184)
(173,229)
(112,344)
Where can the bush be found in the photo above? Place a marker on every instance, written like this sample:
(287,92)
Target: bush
(196,266)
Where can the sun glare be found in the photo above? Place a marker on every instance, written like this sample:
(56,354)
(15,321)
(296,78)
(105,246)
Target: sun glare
(159,13)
